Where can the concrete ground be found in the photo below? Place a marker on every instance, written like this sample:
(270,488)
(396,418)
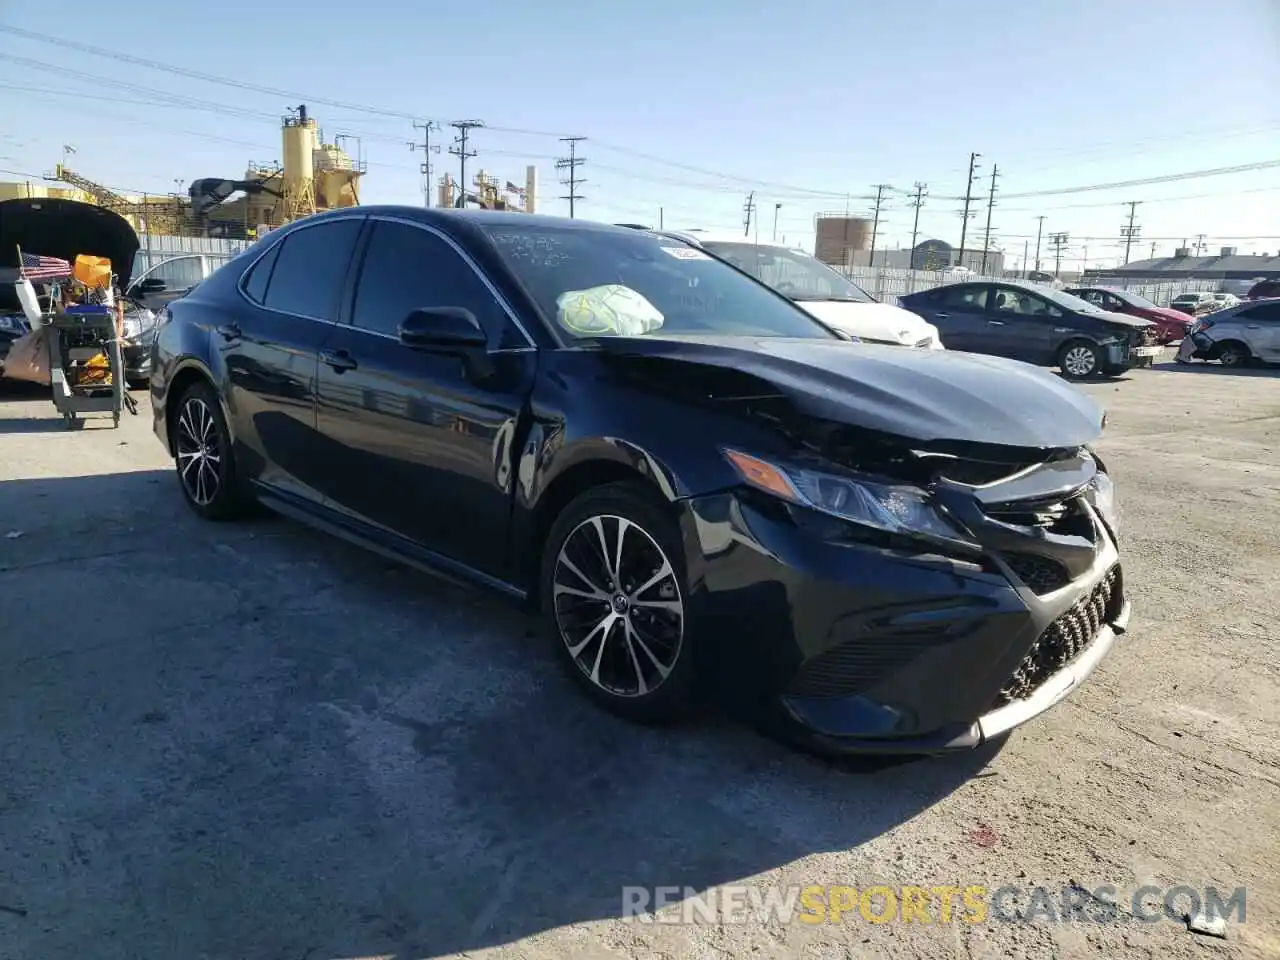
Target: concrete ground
(251,741)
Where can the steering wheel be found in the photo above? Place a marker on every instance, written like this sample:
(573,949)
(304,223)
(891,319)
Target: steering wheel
(785,287)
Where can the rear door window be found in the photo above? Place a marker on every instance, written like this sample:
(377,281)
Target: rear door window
(255,284)
(972,299)
(311,268)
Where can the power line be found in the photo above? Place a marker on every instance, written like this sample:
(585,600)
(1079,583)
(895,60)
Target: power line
(571,164)
(459,150)
(427,148)
(875,222)
(1130,231)
(1147,181)
(991,202)
(968,197)
(1059,242)
(918,202)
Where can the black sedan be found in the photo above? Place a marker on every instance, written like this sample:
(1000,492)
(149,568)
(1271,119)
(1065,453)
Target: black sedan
(697,486)
(1036,324)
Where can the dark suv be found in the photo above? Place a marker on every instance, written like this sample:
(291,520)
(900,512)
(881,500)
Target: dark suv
(1264,290)
(1038,325)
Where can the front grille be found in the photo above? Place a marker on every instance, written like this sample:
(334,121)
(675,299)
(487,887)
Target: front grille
(1064,639)
(1041,574)
(857,664)
(1145,337)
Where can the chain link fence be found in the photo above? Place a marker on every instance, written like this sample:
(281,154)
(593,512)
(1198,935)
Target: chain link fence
(888,283)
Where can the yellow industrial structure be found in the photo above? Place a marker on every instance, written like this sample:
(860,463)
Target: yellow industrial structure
(314,176)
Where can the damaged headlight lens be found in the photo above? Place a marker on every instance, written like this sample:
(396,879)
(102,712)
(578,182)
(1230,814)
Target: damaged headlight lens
(139,324)
(892,508)
(1103,494)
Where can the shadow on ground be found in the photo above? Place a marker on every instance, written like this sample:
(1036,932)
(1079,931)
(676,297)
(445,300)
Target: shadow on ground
(1217,369)
(252,740)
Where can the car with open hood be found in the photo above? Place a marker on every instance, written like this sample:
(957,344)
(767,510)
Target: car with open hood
(1037,324)
(67,228)
(826,293)
(1171,325)
(698,488)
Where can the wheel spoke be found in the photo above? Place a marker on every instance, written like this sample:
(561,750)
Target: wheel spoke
(663,571)
(599,591)
(603,625)
(671,606)
(623,523)
(663,669)
(632,638)
(598,524)
(604,638)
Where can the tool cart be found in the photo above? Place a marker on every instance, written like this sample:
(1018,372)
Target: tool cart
(85,364)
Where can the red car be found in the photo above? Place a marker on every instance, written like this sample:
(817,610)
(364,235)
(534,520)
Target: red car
(1170,324)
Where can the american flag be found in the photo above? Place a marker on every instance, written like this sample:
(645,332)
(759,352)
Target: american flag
(36,267)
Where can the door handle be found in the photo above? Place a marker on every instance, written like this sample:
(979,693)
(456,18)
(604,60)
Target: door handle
(338,359)
(942,316)
(1253,326)
(229,331)
(995,323)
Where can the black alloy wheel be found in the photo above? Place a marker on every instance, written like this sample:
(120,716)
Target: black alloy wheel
(1233,355)
(614,596)
(203,455)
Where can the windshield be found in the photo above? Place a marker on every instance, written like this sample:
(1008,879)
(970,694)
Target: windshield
(1136,301)
(792,273)
(1067,301)
(624,283)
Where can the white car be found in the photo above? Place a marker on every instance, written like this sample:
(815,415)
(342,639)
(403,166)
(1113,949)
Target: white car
(825,293)
(1222,301)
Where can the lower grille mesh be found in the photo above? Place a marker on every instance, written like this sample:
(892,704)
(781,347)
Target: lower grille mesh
(1065,639)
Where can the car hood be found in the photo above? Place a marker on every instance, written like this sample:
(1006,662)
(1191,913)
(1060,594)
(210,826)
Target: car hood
(1167,313)
(922,395)
(870,321)
(1123,319)
(66,229)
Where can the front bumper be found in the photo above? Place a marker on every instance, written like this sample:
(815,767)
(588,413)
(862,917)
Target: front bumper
(137,360)
(855,648)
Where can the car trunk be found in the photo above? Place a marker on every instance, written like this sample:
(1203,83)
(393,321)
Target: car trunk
(66,229)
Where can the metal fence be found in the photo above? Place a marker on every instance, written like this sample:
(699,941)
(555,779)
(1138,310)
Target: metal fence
(155,247)
(888,283)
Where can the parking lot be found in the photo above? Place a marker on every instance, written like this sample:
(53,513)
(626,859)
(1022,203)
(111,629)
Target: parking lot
(252,741)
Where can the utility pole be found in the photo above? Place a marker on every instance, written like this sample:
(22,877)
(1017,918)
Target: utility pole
(459,150)
(991,202)
(1200,244)
(427,148)
(748,211)
(1084,258)
(917,202)
(968,198)
(1026,244)
(1153,249)
(1039,230)
(571,163)
(875,221)
(1130,232)
(1058,241)
(776,208)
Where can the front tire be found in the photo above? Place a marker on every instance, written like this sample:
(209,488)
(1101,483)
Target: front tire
(614,593)
(204,458)
(1080,360)
(1233,355)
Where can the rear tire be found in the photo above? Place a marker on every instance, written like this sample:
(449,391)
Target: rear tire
(1080,359)
(614,595)
(204,458)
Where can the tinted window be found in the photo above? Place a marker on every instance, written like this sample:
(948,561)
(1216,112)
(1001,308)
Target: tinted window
(964,298)
(255,285)
(406,267)
(594,282)
(311,268)
(1019,302)
(1263,311)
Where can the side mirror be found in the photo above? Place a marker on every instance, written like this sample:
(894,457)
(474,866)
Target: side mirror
(442,328)
(152,285)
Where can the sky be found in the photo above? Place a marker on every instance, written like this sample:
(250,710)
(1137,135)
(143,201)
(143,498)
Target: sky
(687,108)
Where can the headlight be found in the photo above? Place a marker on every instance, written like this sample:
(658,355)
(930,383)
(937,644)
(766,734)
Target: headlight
(892,508)
(1103,494)
(138,324)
